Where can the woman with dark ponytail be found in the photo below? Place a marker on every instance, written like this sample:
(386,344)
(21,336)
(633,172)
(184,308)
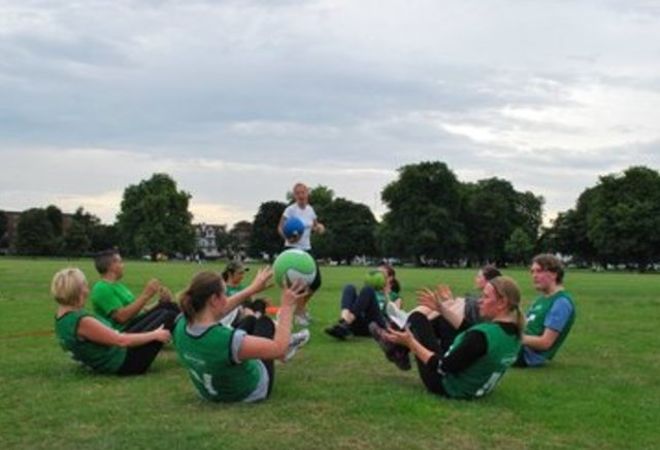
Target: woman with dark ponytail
(225,364)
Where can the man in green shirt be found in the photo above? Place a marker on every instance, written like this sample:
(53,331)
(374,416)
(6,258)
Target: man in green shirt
(113,301)
(551,315)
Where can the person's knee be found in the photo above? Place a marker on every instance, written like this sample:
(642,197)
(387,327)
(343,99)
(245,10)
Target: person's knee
(367,291)
(416,319)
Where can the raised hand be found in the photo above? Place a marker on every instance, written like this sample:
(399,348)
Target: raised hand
(428,298)
(404,337)
(151,288)
(444,292)
(263,280)
(162,335)
(165,294)
(293,293)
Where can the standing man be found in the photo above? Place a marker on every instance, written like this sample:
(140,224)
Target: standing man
(113,301)
(302,210)
(550,317)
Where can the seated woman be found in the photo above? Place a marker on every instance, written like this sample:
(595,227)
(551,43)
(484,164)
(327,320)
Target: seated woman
(233,276)
(478,358)
(358,310)
(91,340)
(225,364)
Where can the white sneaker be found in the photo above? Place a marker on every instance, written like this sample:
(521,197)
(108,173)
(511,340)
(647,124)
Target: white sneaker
(303,319)
(297,340)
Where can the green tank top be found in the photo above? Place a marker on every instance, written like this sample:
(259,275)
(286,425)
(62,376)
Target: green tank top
(536,320)
(382,300)
(482,376)
(101,358)
(210,365)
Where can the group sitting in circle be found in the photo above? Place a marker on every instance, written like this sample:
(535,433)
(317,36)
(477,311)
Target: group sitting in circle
(462,346)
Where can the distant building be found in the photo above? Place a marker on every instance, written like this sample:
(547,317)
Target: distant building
(205,239)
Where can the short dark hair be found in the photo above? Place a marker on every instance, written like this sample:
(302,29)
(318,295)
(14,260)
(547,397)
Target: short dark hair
(489,272)
(103,260)
(550,263)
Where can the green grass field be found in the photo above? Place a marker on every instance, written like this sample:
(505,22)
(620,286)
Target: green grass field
(602,391)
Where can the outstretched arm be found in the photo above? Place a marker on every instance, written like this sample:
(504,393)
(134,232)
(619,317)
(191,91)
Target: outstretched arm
(94,331)
(261,282)
(543,342)
(123,315)
(264,348)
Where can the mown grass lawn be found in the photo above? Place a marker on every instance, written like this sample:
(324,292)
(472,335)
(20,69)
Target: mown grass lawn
(602,391)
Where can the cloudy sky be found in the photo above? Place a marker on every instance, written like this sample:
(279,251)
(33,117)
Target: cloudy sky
(237,100)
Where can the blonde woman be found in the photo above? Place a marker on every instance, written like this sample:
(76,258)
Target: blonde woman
(302,210)
(90,340)
(479,356)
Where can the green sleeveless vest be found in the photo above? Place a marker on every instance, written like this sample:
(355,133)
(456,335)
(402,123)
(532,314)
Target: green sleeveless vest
(210,366)
(482,376)
(536,318)
(101,358)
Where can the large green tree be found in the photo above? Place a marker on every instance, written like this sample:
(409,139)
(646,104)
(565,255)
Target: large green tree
(350,231)
(87,234)
(264,237)
(492,210)
(423,217)
(4,223)
(56,218)
(623,222)
(519,246)
(154,218)
(35,234)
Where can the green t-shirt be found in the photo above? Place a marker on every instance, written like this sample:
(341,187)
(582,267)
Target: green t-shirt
(231,290)
(208,358)
(536,320)
(108,297)
(101,358)
(482,376)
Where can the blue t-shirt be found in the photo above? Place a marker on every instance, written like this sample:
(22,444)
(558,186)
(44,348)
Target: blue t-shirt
(556,320)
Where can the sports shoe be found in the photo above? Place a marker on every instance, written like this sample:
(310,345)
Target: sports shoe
(304,319)
(396,354)
(340,330)
(297,340)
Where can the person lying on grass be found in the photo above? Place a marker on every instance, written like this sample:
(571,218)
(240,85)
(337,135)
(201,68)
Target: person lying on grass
(232,365)
(360,309)
(91,340)
(478,358)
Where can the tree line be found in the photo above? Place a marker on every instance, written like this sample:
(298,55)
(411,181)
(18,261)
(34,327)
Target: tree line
(432,218)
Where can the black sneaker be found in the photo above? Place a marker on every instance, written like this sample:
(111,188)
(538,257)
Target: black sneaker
(396,354)
(400,357)
(340,330)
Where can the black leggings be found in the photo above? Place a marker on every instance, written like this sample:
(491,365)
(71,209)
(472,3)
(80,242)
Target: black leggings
(138,359)
(445,332)
(421,328)
(364,307)
(262,327)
